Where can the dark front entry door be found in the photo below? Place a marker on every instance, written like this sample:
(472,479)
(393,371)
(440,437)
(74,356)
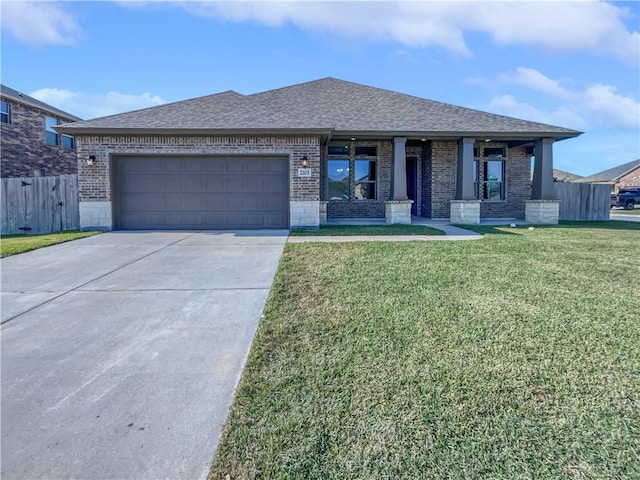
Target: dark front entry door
(412,183)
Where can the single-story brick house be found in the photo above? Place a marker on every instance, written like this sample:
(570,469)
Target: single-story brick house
(625,175)
(30,145)
(299,155)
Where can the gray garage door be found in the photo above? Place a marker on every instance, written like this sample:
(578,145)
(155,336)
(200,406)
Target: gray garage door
(185,193)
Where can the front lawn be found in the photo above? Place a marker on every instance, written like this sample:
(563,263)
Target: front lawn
(13,244)
(516,356)
(394,229)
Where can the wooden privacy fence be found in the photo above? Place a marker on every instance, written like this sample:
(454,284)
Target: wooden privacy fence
(583,201)
(39,204)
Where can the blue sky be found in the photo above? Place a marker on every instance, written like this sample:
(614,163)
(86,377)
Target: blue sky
(573,64)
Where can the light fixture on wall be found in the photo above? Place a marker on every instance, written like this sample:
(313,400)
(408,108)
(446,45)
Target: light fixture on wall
(305,162)
(91,160)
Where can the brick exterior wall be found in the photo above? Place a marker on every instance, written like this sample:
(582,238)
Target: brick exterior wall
(439,169)
(24,147)
(94,184)
(518,186)
(444,156)
(631,179)
(362,208)
(426,181)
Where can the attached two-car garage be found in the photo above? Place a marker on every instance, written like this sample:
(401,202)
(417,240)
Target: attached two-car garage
(200,193)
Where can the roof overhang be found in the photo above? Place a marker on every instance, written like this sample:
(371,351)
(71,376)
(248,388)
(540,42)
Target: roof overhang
(325,133)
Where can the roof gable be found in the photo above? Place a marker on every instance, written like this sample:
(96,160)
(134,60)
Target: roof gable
(16,96)
(328,104)
(612,175)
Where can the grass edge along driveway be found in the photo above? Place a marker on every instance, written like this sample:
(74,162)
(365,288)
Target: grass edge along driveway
(516,356)
(15,244)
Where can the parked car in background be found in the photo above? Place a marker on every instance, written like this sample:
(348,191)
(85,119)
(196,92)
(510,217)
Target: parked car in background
(627,197)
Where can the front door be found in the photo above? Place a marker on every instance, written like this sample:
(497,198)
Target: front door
(412,184)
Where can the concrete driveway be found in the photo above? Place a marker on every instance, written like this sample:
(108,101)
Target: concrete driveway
(121,352)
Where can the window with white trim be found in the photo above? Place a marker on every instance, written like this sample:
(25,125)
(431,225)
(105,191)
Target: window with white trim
(5,112)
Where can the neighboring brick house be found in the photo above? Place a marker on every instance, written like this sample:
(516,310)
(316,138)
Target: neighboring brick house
(625,175)
(29,144)
(562,176)
(301,155)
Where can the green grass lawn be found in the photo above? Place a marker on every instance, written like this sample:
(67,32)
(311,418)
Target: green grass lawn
(13,244)
(395,229)
(513,357)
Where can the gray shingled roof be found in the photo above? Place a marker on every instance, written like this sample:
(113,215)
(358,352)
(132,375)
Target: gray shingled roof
(612,175)
(11,94)
(562,176)
(327,105)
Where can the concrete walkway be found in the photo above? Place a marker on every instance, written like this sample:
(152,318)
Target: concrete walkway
(624,218)
(121,352)
(451,233)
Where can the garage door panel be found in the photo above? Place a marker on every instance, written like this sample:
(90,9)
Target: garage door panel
(201,193)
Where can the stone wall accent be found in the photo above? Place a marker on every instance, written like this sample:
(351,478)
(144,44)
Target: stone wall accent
(518,185)
(398,211)
(353,208)
(323,212)
(542,212)
(24,146)
(465,212)
(304,214)
(95,216)
(631,179)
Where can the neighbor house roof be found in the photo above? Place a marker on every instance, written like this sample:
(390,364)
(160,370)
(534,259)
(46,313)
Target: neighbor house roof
(328,105)
(16,96)
(612,175)
(562,176)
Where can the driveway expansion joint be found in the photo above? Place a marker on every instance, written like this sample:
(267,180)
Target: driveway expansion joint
(94,279)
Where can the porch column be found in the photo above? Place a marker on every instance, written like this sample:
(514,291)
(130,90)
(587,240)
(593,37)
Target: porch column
(542,208)
(465,180)
(542,188)
(400,168)
(398,209)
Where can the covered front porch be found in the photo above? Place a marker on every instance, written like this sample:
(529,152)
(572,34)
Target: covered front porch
(462,181)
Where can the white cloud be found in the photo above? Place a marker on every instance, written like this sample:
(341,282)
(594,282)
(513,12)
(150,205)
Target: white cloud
(509,106)
(533,79)
(39,23)
(570,26)
(601,103)
(98,105)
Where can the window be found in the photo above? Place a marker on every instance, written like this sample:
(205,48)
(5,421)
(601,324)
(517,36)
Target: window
(5,112)
(365,179)
(341,163)
(338,175)
(54,138)
(476,178)
(68,142)
(494,152)
(493,180)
